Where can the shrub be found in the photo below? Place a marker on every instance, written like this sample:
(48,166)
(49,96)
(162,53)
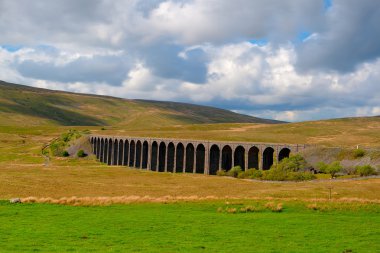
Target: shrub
(81,153)
(274,175)
(292,163)
(57,148)
(288,169)
(331,168)
(221,173)
(358,153)
(65,154)
(365,170)
(321,166)
(234,171)
(283,175)
(300,176)
(251,174)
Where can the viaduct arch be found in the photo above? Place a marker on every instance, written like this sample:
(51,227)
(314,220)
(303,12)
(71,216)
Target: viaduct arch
(188,156)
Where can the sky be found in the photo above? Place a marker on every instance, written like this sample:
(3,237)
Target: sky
(291,60)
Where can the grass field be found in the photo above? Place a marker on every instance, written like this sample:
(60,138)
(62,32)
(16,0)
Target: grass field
(186,227)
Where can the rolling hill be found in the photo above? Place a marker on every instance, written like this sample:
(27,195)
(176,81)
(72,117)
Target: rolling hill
(24,105)
(25,110)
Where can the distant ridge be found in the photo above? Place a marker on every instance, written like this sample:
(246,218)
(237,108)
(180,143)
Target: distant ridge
(20,104)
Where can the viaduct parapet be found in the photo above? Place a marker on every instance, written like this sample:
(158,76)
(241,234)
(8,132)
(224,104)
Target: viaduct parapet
(191,156)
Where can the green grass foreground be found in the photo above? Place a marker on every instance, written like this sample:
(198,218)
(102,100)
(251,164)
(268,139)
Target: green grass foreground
(186,227)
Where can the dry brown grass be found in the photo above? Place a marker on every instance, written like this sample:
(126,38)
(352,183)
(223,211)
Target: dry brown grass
(274,207)
(271,205)
(93,180)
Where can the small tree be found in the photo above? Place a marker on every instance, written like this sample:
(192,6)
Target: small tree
(293,163)
(331,168)
(334,168)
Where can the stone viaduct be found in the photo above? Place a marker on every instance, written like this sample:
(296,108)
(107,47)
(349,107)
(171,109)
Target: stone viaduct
(191,156)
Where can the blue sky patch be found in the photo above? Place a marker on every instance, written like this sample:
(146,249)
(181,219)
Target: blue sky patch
(327,4)
(259,42)
(11,48)
(301,36)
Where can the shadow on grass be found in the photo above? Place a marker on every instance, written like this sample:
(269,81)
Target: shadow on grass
(52,112)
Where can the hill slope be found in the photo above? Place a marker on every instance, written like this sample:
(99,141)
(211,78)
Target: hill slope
(23,105)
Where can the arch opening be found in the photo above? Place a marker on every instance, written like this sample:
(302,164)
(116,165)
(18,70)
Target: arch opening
(126,153)
(144,161)
(170,161)
(98,149)
(200,156)
(253,158)
(121,153)
(284,153)
(132,151)
(226,158)
(189,158)
(179,157)
(162,157)
(239,157)
(115,152)
(138,154)
(268,158)
(153,162)
(110,146)
(214,159)
(105,151)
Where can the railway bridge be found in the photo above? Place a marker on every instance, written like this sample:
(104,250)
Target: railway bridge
(188,156)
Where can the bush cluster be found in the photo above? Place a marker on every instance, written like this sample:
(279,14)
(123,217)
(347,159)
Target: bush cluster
(335,167)
(294,168)
(365,170)
(284,175)
(251,174)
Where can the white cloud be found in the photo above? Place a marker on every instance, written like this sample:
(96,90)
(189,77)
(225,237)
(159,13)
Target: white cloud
(198,51)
